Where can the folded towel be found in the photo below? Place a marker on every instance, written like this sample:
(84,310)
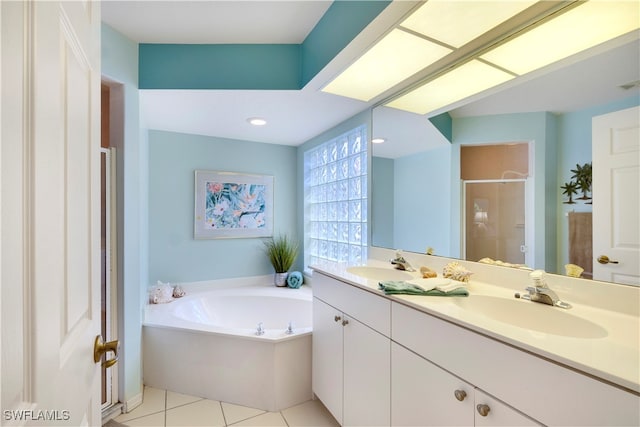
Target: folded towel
(294,279)
(441,284)
(392,287)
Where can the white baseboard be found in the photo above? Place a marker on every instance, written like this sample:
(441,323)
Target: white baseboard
(132,403)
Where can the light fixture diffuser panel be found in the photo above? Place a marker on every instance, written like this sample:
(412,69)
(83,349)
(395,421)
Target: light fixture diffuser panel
(458,84)
(585,26)
(458,22)
(396,57)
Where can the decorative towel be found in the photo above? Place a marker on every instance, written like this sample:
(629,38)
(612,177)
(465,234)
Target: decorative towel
(392,287)
(294,280)
(581,242)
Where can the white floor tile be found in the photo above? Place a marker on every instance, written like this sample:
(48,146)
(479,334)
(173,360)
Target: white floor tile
(153,400)
(155,420)
(160,408)
(176,399)
(200,413)
(268,419)
(311,413)
(235,413)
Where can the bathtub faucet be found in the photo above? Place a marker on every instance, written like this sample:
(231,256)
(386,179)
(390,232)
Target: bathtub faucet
(260,329)
(289,330)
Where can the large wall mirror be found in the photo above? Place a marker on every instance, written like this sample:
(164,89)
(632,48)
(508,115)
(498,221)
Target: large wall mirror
(422,201)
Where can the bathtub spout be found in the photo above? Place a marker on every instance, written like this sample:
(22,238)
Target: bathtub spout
(260,329)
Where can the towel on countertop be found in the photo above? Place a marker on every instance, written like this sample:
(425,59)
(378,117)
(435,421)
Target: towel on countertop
(294,279)
(393,287)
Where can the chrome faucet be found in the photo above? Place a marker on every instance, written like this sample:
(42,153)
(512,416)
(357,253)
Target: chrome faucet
(541,293)
(400,263)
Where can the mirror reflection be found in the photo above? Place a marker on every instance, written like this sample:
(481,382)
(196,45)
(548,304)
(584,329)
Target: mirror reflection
(484,180)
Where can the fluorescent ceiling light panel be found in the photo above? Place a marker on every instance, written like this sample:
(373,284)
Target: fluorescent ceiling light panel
(592,23)
(462,82)
(458,22)
(396,57)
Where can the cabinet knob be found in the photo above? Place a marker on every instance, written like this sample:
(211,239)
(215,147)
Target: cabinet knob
(483,409)
(345,322)
(460,394)
(337,318)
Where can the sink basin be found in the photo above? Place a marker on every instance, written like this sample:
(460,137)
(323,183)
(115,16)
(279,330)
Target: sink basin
(533,316)
(380,273)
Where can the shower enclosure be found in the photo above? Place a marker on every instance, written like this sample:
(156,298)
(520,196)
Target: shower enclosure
(496,187)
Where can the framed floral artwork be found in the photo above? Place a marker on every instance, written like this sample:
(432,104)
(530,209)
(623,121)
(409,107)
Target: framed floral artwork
(232,205)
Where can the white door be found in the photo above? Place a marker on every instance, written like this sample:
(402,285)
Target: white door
(616,196)
(50,129)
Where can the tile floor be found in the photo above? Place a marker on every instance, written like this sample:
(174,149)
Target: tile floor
(162,408)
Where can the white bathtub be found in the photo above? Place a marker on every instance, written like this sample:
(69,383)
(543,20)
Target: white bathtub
(205,344)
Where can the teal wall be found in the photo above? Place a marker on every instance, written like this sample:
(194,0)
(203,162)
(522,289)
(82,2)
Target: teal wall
(225,66)
(574,136)
(522,127)
(174,254)
(120,68)
(422,202)
(340,24)
(382,202)
(257,66)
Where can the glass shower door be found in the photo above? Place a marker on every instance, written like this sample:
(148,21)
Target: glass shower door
(495,220)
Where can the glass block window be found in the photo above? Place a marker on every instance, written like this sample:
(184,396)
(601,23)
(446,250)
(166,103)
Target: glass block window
(335,194)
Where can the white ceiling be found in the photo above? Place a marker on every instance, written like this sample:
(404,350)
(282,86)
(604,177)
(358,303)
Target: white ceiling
(214,21)
(296,116)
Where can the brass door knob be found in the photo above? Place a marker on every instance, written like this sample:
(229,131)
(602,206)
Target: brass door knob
(337,318)
(603,259)
(483,409)
(345,322)
(100,348)
(460,394)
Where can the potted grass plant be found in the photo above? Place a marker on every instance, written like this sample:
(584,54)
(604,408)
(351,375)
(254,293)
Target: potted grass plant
(282,252)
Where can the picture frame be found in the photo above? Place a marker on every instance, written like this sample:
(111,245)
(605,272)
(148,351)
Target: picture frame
(232,205)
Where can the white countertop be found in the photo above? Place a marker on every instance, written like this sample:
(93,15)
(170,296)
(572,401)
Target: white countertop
(612,354)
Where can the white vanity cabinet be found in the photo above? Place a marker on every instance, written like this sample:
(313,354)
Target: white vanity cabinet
(351,352)
(385,361)
(543,390)
(423,394)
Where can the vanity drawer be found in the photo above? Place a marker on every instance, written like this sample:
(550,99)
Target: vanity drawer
(544,390)
(371,309)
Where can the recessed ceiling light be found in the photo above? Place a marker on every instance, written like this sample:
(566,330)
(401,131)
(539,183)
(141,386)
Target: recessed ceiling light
(257,121)
(378,140)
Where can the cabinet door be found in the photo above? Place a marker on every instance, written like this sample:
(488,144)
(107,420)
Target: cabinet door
(499,413)
(422,394)
(327,356)
(367,376)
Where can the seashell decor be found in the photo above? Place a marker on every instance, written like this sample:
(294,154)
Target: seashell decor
(427,273)
(455,271)
(178,291)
